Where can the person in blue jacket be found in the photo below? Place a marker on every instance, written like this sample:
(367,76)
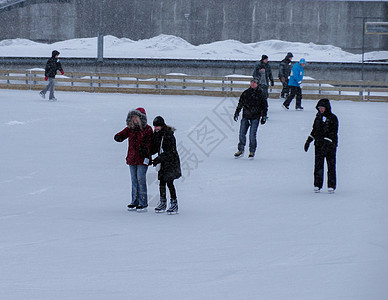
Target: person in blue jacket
(294,83)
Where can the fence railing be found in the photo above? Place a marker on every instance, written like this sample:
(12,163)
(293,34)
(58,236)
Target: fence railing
(178,84)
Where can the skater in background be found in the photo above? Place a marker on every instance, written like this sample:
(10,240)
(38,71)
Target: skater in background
(139,135)
(167,163)
(263,73)
(325,137)
(284,73)
(255,107)
(294,83)
(52,66)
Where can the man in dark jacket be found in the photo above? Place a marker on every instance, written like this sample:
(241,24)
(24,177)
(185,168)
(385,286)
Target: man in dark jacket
(325,137)
(284,73)
(263,73)
(52,66)
(255,107)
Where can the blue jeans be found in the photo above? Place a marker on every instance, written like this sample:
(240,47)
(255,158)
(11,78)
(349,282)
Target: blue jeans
(139,184)
(245,124)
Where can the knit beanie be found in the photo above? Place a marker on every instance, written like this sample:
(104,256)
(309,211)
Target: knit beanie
(159,121)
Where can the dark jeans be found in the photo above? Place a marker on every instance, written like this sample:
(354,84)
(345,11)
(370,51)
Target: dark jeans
(325,151)
(171,188)
(295,91)
(245,124)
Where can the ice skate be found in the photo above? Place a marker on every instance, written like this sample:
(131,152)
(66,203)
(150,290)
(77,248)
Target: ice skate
(285,107)
(317,189)
(251,155)
(141,208)
(132,207)
(173,207)
(42,95)
(162,206)
(330,190)
(299,108)
(239,154)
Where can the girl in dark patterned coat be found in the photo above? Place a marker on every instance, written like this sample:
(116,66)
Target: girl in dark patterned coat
(139,135)
(325,137)
(164,144)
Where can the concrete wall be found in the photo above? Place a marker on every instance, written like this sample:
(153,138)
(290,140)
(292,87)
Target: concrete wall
(202,21)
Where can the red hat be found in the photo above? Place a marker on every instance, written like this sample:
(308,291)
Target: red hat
(142,110)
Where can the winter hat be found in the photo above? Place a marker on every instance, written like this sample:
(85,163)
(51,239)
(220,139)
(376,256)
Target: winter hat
(54,53)
(289,55)
(264,57)
(159,121)
(141,110)
(256,80)
(302,61)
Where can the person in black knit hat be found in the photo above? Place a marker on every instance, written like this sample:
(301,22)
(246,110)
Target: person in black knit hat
(167,163)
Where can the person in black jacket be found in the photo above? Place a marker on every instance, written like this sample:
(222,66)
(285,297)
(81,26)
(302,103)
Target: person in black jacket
(284,73)
(325,137)
(167,162)
(52,66)
(255,107)
(263,73)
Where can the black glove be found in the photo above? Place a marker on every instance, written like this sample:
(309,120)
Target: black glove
(272,83)
(156,161)
(263,120)
(144,152)
(307,144)
(235,117)
(118,138)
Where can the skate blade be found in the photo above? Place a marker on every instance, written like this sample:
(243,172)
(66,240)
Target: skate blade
(160,211)
(132,209)
(142,210)
(237,157)
(172,212)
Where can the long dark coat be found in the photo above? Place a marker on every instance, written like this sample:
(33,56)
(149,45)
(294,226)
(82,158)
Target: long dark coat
(164,144)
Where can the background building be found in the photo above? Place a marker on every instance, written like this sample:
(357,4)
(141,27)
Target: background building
(202,21)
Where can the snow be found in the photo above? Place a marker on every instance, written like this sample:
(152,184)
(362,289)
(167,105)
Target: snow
(169,46)
(246,229)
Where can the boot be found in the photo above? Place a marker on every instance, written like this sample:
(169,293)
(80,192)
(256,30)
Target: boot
(173,207)
(162,206)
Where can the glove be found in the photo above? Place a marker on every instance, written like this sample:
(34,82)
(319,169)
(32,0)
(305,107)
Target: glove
(62,72)
(156,161)
(263,120)
(46,78)
(272,83)
(235,118)
(144,152)
(307,144)
(118,138)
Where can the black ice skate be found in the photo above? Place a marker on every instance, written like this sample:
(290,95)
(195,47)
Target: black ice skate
(239,154)
(162,206)
(132,207)
(141,208)
(173,207)
(251,155)
(299,108)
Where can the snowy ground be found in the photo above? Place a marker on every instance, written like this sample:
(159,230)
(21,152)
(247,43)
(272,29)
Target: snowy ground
(246,229)
(169,46)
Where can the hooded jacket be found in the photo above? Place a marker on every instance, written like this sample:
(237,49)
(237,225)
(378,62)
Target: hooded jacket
(325,127)
(139,138)
(296,77)
(53,65)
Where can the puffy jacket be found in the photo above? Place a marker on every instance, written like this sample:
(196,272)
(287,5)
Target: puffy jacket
(285,67)
(253,103)
(139,138)
(296,77)
(325,127)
